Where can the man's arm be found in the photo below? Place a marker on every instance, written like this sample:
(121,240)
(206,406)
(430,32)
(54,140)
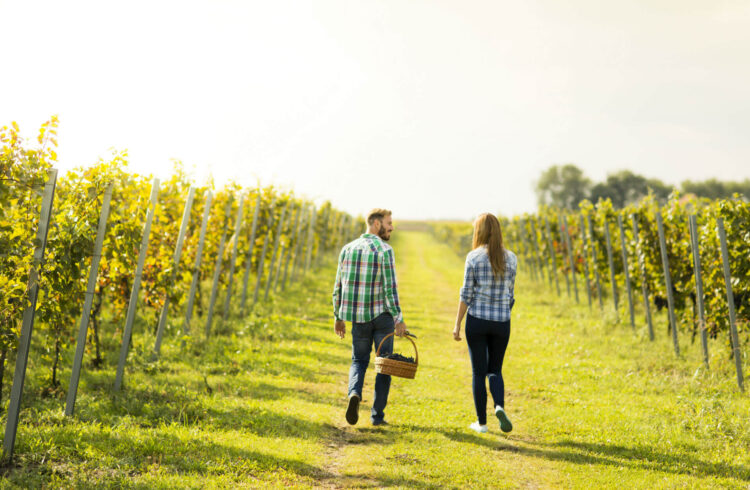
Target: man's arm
(339,325)
(390,291)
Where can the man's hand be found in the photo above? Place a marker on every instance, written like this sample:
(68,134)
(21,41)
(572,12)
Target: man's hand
(340,328)
(457,332)
(400,329)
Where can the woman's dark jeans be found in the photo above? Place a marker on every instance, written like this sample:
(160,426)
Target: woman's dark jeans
(364,335)
(487,343)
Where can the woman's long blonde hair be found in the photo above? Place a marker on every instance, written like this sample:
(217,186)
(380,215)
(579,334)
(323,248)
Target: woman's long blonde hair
(487,232)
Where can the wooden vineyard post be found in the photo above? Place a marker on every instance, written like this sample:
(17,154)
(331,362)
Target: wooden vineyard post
(233,260)
(298,244)
(24,340)
(592,241)
(644,285)
(173,277)
(552,255)
(249,257)
(570,258)
(197,267)
(310,233)
(262,260)
(522,245)
(276,242)
(667,281)
(564,244)
(132,304)
(693,221)
(87,302)
(585,261)
(217,267)
(627,271)
(294,240)
(320,239)
(736,352)
(611,263)
(282,250)
(539,254)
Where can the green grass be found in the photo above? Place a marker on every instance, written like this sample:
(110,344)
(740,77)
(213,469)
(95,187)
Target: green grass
(593,403)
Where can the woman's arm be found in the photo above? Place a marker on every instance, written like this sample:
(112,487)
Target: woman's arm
(462,307)
(466,296)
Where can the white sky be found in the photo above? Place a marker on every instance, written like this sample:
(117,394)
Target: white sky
(435,109)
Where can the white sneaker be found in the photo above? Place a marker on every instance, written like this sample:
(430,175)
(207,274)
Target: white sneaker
(478,428)
(505,424)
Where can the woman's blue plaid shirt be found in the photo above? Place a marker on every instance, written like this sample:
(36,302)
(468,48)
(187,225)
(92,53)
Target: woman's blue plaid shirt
(488,298)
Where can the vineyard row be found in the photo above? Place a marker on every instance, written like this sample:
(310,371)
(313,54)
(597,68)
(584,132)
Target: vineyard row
(691,256)
(148,248)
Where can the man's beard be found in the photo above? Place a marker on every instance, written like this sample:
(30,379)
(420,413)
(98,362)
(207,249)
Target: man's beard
(382,234)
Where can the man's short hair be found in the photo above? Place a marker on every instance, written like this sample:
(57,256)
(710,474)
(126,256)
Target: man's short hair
(377,214)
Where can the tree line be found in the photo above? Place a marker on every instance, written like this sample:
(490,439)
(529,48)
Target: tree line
(565,186)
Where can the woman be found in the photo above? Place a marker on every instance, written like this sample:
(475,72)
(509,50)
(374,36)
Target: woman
(487,296)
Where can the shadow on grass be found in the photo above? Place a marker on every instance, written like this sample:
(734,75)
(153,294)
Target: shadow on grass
(133,456)
(638,457)
(645,456)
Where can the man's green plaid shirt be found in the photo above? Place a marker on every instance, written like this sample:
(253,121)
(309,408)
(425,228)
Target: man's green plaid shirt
(366,281)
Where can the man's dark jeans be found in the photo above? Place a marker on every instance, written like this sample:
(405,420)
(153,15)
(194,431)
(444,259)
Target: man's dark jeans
(364,336)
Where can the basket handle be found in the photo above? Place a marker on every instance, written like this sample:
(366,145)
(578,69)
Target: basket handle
(416,353)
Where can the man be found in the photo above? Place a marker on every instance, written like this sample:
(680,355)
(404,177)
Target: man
(365,294)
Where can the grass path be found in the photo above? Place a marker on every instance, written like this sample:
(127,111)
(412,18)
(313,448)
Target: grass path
(593,404)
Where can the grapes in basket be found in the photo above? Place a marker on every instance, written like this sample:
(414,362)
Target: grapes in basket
(399,357)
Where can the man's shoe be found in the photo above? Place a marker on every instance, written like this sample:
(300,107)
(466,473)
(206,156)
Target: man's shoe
(475,426)
(352,411)
(505,424)
(379,422)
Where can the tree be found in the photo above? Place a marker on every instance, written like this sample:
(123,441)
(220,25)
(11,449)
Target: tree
(714,189)
(564,186)
(625,187)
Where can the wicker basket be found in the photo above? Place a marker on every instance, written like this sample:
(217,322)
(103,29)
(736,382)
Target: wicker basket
(402,369)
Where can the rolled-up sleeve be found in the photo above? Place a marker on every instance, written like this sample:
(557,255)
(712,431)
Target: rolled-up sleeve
(337,289)
(512,282)
(467,290)
(390,287)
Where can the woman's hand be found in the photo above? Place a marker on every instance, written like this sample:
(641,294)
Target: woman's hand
(457,332)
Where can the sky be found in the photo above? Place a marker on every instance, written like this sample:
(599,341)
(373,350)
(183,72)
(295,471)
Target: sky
(434,109)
